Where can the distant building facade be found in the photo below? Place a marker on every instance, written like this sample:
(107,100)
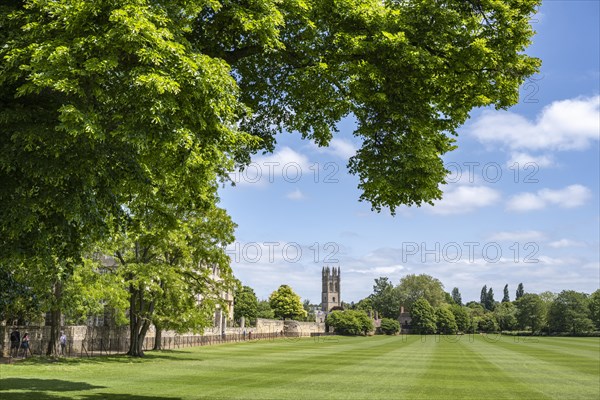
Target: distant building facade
(331,293)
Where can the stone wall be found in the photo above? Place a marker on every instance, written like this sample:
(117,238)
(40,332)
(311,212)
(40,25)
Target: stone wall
(86,340)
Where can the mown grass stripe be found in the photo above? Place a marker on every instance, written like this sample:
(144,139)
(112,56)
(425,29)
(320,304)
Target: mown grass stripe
(345,368)
(551,375)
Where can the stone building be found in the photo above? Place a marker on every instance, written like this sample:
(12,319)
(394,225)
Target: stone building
(330,293)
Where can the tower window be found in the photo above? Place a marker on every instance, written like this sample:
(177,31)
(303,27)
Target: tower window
(334,299)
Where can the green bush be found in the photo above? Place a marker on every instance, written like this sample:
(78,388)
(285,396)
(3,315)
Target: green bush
(389,326)
(350,322)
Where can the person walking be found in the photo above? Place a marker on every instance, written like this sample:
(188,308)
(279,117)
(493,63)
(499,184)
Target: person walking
(25,345)
(63,343)
(15,342)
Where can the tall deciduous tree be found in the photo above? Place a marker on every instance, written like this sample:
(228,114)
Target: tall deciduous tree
(245,305)
(423,318)
(505,314)
(520,291)
(409,71)
(456,297)
(483,297)
(286,304)
(530,312)
(445,321)
(462,318)
(264,310)
(104,101)
(506,297)
(569,312)
(413,287)
(384,299)
(594,307)
(490,303)
(175,269)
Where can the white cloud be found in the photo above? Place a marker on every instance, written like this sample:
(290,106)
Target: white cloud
(461,199)
(563,125)
(286,164)
(569,197)
(522,159)
(562,243)
(295,195)
(338,147)
(521,236)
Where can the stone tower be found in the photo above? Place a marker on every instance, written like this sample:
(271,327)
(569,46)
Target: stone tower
(330,294)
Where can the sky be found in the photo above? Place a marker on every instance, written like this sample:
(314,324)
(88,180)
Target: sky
(521,205)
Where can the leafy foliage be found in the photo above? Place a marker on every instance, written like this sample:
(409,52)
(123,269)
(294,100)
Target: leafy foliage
(384,299)
(594,307)
(264,310)
(505,314)
(461,317)
(413,287)
(350,322)
(530,312)
(445,321)
(245,305)
(506,296)
(389,326)
(487,323)
(423,318)
(456,297)
(569,312)
(286,304)
(520,291)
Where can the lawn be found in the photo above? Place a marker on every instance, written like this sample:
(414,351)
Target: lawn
(398,367)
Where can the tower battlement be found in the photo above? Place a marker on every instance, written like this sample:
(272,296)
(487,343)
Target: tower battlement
(330,293)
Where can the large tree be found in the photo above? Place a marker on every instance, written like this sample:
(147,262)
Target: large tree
(286,304)
(569,312)
(423,317)
(413,287)
(456,297)
(520,291)
(505,315)
(245,305)
(530,312)
(490,303)
(594,307)
(445,321)
(104,101)
(175,270)
(506,296)
(103,104)
(384,300)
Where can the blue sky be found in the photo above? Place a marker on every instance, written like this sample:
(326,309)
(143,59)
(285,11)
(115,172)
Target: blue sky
(522,206)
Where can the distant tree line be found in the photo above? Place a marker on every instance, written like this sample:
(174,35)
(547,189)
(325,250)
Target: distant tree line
(433,310)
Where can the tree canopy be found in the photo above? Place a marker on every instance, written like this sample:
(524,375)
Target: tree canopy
(286,304)
(245,305)
(111,111)
(413,287)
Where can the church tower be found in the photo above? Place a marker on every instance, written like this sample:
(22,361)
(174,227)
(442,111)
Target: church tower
(330,294)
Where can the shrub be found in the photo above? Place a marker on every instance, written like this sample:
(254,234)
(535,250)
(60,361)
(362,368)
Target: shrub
(389,326)
(350,322)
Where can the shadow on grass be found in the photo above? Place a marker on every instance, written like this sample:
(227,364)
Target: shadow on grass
(96,396)
(117,396)
(43,385)
(38,388)
(107,359)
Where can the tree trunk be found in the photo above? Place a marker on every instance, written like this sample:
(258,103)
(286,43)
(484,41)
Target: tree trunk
(135,347)
(158,339)
(140,313)
(55,315)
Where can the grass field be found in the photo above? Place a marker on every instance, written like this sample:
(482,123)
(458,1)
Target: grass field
(409,367)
